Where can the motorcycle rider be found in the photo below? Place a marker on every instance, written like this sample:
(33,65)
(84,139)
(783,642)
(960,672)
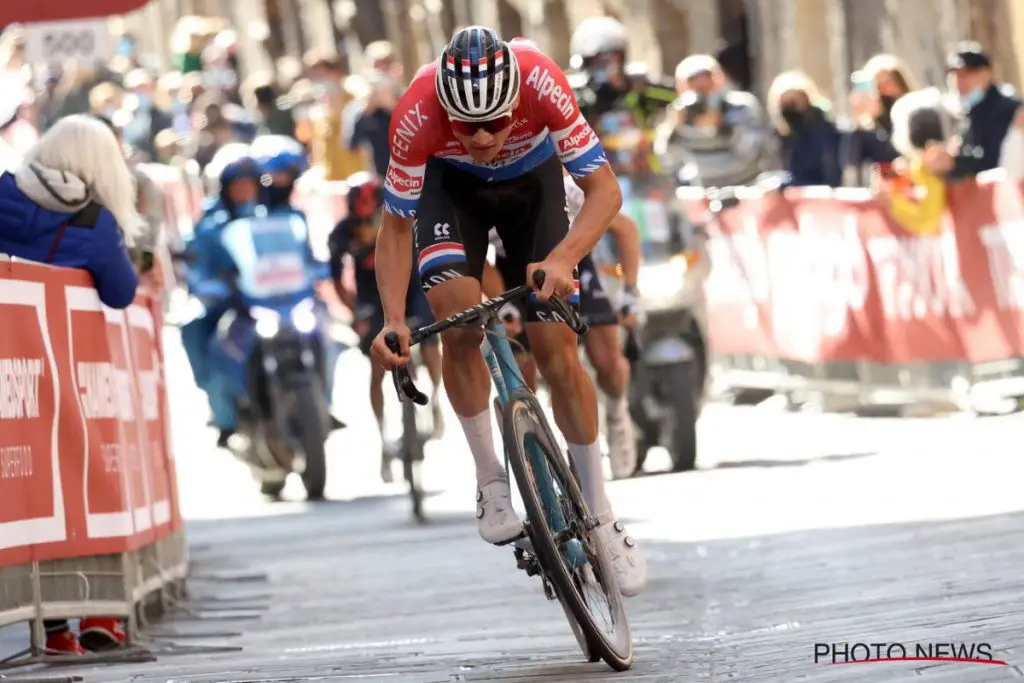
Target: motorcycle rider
(355,236)
(234,177)
(615,96)
(284,160)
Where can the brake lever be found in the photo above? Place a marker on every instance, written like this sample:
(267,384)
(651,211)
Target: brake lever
(571,317)
(404,385)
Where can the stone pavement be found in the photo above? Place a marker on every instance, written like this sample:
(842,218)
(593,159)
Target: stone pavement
(803,528)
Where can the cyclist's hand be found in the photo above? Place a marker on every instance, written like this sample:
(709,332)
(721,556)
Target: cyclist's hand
(631,313)
(558,278)
(380,352)
(510,317)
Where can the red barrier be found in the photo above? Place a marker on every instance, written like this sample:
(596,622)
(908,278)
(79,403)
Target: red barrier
(86,466)
(809,278)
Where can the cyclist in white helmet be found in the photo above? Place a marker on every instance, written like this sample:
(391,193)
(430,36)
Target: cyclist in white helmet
(479,140)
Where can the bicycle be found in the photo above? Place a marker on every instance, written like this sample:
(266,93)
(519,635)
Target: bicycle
(557,542)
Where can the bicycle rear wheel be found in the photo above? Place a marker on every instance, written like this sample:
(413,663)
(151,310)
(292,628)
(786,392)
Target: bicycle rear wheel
(589,593)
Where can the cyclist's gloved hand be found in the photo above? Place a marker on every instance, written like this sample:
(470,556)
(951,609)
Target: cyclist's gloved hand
(630,311)
(382,353)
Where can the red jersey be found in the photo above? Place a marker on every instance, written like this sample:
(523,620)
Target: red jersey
(546,121)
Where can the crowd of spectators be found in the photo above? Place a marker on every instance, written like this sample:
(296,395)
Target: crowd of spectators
(898,139)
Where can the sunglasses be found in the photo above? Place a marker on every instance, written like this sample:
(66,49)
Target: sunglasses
(492,126)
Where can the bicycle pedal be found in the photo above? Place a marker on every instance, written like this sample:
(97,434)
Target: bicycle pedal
(514,540)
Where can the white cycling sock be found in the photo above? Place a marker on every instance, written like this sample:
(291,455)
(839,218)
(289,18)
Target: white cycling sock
(617,407)
(481,444)
(588,466)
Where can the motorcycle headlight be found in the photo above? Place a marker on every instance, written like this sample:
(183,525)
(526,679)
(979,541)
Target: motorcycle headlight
(663,280)
(303,317)
(268,322)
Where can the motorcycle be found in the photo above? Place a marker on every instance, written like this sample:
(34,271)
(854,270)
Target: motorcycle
(269,351)
(669,355)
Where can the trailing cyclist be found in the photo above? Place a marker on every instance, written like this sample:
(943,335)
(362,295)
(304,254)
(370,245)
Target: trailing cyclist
(602,344)
(479,140)
(353,243)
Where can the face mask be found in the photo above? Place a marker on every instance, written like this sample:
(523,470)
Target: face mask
(714,100)
(245,209)
(972,98)
(600,76)
(279,195)
(795,118)
(145,103)
(887,102)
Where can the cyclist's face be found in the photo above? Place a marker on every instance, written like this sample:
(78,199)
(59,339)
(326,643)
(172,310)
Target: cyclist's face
(482,146)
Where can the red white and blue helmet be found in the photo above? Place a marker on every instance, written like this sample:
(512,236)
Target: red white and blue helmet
(478,76)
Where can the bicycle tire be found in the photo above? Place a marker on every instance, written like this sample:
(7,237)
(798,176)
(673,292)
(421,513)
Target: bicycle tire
(412,456)
(524,420)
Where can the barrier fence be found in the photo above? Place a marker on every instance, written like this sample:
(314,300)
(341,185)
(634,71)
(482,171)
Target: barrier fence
(89,517)
(825,291)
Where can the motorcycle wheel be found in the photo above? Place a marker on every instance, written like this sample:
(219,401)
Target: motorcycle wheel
(309,415)
(681,393)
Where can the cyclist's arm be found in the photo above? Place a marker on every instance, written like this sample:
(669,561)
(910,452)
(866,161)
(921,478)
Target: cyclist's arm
(627,240)
(394,265)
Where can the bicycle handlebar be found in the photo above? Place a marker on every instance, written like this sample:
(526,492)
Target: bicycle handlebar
(404,384)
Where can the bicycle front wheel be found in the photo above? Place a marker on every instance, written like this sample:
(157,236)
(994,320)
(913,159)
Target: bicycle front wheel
(587,590)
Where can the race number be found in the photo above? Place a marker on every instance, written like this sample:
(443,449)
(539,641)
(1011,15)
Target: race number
(49,42)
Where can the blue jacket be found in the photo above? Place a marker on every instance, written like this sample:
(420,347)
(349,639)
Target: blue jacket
(28,231)
(811,154)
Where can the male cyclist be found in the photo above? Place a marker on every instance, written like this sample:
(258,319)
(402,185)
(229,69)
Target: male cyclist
(355,236)
(602,343)
(479,140)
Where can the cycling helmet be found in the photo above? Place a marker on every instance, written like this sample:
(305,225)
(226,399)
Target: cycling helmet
(365,195)
(477,75)
(278,153)
(598,35)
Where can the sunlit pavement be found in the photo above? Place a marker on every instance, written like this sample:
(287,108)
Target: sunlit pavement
(799,529)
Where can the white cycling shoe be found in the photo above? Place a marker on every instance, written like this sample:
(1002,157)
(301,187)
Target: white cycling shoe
(630,564)
(496,520)
(621,444)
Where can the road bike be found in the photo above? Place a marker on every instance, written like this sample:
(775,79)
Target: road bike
(559,542)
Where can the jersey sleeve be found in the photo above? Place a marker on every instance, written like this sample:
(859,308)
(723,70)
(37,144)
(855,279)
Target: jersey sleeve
(578,147)
(407,165)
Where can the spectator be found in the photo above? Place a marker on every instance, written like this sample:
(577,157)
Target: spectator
(917,198)
(876,87)
(988,115)
(326,117)
(380,56)
(273,118)
(72,203)
(714,135)
(105,100)
(810,140)
(144,117)
(187,42)
(372,123)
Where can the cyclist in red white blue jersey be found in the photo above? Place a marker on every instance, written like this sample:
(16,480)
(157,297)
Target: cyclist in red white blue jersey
(479,140)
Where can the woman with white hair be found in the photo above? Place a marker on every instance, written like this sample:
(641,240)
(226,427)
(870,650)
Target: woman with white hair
(71,202)
(810,140)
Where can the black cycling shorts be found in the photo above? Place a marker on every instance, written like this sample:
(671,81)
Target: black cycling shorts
(457,210)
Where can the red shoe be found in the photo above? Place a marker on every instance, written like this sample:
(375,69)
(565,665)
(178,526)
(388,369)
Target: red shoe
(102,633)
(63,643)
